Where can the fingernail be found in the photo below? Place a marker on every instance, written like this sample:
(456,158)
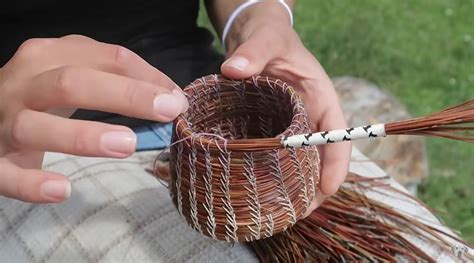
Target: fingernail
(168,105)
(120,142)
(239,63)
(56,190)
(185,104)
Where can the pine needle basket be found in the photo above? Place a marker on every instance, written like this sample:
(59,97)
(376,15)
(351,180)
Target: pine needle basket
(231,187)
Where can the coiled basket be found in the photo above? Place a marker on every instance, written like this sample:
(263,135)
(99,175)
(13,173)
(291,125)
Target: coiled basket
(231,178)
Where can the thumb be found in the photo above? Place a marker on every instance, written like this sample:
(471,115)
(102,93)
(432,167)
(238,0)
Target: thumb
(249,59)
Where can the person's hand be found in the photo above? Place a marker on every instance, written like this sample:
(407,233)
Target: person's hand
(269,46)
(45,81)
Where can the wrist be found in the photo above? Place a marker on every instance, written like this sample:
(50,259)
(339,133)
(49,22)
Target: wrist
(260,14)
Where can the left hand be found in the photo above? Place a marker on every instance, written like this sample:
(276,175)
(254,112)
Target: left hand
(260,47)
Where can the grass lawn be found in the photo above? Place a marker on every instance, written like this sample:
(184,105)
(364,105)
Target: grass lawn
(423,53)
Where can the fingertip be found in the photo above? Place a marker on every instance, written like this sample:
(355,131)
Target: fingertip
(237,63)
(182,98)
(333,176)
(36,186)
(329,189)
(119,143)
(317,202)
(56,190)
(335,166)
(236,67)
(166,106)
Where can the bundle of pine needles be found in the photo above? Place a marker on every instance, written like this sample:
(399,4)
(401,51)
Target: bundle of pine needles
(351,227)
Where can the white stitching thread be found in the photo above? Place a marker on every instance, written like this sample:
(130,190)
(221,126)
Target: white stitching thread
(192,189)
(270,226)
(301,178)
(231,227)
(281,188)
(179,196)
(254,203)
(211,220)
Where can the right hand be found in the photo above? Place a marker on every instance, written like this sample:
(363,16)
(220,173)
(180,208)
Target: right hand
(43,84)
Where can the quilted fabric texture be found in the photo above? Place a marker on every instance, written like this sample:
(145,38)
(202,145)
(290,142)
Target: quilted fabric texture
(117,213)
(120,213)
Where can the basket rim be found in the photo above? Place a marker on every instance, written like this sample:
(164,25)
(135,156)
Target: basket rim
(182,125)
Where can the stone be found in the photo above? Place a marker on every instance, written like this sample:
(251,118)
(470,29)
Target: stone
(402,157)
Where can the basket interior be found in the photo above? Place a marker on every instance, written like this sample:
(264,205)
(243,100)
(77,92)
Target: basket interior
(240,110)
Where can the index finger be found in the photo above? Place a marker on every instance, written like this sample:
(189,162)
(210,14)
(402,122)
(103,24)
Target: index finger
(85,88)
(114,59)
(43,54)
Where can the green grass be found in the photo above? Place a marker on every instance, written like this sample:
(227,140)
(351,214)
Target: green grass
(423,53)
